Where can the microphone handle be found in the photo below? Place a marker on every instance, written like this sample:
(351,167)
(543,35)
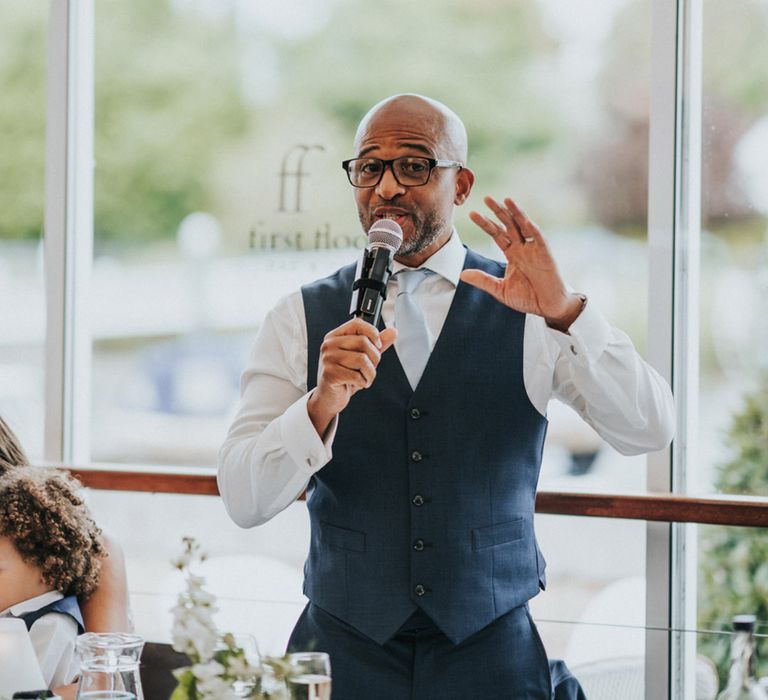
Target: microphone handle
(371,287)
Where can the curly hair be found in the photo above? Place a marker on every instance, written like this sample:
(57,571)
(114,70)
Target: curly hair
(11,452)
(51,527)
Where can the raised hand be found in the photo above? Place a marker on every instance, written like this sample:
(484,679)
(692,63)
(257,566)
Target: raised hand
(532,283)
(349,356)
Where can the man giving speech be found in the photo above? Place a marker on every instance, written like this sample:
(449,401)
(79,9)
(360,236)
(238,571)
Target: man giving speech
(419,442)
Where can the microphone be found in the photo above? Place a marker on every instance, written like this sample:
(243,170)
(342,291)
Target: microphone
(370,289)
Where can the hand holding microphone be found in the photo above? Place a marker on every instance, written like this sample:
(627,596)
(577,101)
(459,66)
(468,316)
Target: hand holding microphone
(350,353)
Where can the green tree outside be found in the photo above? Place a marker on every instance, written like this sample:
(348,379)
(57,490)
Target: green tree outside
(22,118)
(733,571)
(173,124)
(167,99)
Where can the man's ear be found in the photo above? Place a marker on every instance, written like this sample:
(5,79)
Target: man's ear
(464,181)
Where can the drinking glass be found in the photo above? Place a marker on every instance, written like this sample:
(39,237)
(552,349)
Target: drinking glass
(309,676)
(109,666)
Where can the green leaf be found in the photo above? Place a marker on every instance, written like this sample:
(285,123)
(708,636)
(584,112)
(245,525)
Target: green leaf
(186,689)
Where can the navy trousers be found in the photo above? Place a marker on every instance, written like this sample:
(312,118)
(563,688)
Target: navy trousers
(504,661)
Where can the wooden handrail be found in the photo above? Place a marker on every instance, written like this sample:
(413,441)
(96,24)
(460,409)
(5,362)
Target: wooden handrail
(170,481)
(720,510)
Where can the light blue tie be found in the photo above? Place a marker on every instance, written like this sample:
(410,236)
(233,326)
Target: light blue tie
(412,335)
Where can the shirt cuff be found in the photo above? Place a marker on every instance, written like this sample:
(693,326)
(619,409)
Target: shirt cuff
(301,441)
(587,338)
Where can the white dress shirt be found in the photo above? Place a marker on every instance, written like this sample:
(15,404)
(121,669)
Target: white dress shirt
(53,638)
(272,448)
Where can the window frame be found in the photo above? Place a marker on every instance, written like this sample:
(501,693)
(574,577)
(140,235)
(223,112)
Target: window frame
(68,241)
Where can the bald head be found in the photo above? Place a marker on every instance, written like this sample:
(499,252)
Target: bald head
(439,123)
(402,129)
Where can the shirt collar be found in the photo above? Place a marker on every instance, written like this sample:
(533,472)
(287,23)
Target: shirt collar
(32,604)
(448,261)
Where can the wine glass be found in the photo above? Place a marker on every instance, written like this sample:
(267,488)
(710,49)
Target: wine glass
(309,676)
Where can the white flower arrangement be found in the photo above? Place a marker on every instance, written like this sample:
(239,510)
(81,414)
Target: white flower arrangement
(220,668)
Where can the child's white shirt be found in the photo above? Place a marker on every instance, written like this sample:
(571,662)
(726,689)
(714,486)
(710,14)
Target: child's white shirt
(53,638)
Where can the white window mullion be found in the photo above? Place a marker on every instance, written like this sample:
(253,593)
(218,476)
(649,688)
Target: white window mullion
(68,229)
(674,233)
(661,236)
(55,228)
(686,344)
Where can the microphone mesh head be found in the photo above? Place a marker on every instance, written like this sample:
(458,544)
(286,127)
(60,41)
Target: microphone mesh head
(387,233)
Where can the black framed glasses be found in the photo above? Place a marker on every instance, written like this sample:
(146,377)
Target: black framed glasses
(409,171)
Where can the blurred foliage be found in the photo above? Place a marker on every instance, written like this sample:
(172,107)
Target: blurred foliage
(733,572)
(171,107)
(440,46)
(173,121)
(167,100)
(479,58)
(737,54)
(174,117)
(614,166)
(22,118)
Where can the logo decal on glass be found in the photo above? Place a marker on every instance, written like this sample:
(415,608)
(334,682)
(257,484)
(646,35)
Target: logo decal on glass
(292,172)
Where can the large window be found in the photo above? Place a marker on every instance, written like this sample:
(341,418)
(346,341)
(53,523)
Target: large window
(217,189)
(734,226)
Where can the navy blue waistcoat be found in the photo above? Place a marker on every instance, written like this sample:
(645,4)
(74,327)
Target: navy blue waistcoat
(67,605)
(428,501)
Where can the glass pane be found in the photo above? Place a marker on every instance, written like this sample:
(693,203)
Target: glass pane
(219,189)
(733,406)
(734,265)
(256,575)
(23,68)
(613,664)
(587,183)
(733,580)
(733,403)
(592,613)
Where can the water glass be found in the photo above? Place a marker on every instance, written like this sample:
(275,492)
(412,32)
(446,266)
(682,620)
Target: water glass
(109,666)
(309,676)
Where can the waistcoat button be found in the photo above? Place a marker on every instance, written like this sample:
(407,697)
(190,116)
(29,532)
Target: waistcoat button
(415,413)
(416,456)
(418,545)
(418,500)
(419,590)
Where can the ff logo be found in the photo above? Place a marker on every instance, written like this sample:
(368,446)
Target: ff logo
(295,174)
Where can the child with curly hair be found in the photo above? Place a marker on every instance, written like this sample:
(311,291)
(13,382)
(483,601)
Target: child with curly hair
(50,553)
(107,609)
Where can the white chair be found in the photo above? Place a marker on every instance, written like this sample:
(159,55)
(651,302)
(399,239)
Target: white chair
(610,679)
